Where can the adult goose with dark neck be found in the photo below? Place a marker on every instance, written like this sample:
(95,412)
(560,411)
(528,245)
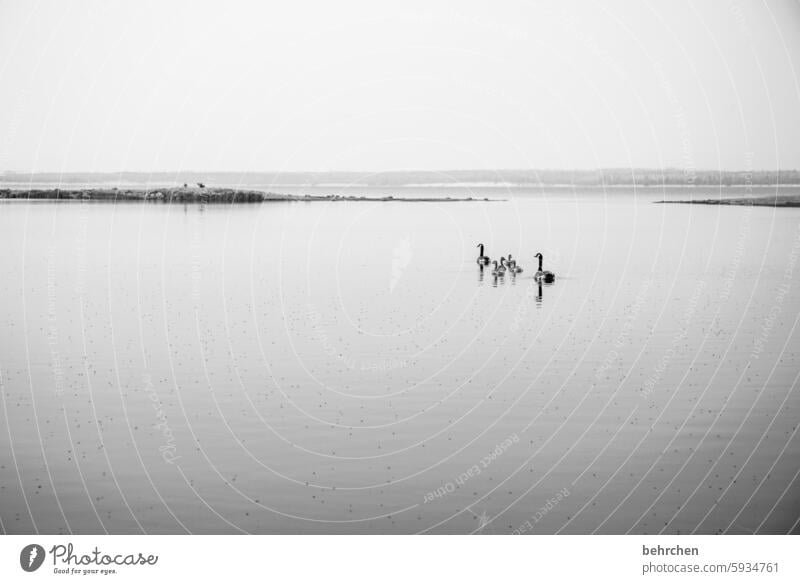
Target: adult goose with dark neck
(543,275)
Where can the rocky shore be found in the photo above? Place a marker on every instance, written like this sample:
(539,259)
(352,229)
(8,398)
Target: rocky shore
(775,201)
(202,195)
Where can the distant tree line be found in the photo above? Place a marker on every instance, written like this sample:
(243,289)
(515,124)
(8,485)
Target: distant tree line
(601,177)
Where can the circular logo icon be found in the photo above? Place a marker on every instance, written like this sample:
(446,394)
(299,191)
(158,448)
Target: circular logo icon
(31,557)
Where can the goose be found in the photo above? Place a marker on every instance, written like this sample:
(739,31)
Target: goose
(498,270)
(482,259)
(543,275)
(512,266)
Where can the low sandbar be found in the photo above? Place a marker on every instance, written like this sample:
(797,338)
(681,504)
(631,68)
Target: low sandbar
(207,195)
(792,200)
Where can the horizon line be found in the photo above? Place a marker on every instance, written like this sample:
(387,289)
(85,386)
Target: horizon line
(410,170)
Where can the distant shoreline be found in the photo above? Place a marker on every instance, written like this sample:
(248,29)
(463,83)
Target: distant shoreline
(533,178)
(206,195)
(161,185)
(776,201)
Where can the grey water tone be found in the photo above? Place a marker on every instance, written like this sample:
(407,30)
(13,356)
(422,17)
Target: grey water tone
(348,367)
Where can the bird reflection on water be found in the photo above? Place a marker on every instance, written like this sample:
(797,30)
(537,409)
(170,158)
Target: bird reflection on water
(498,280)
(539,298)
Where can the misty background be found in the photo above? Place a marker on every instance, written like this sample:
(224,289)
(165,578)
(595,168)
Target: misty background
(356,86)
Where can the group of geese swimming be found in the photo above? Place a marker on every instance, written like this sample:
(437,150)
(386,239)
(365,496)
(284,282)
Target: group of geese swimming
(510,265)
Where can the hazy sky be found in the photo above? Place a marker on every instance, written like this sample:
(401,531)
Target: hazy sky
(103,86)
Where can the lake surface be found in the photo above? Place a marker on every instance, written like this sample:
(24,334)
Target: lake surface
(346,367)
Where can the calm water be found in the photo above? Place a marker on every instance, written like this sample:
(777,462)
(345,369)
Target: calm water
(346,367)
